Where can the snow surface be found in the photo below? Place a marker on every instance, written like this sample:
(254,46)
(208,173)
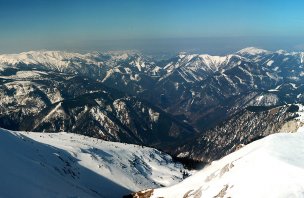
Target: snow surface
(153,115)
(70,165)
(270,167)
(282,51)
(269,63)
(302,57)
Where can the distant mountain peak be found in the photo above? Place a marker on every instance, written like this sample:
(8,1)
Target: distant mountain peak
(252,51)
(281,51)
(56,58)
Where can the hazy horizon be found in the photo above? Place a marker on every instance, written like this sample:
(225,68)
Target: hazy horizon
(215,46)
(214,27)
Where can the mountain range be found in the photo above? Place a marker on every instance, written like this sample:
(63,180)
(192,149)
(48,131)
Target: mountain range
(196,107)
(131,97)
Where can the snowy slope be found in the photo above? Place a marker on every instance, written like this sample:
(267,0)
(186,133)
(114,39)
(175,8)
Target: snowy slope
(270,167)
(69,165)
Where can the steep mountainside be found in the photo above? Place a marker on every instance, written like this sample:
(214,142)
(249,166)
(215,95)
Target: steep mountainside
(250,124)
(70,165)
(271,167)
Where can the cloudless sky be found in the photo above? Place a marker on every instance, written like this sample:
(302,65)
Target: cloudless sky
(210,25)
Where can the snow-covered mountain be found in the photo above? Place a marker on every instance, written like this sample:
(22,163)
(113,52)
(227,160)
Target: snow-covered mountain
(57,59)
(270,167)
(70,165)
(62,60)
(196,67)
(158,103)
(252,70)
(129,70)
(248,125)
(51,101)
(252,51)
(193,106)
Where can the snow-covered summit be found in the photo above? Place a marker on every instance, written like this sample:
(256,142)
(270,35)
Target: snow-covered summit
(281,51)
(215,61)
(252,51)
(201,63)
(57,59)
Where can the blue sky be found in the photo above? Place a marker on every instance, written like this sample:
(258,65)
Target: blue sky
(207,25)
